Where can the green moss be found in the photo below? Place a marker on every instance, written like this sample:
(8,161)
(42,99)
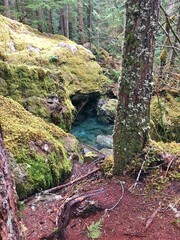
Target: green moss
(165,116)
(163,55)
(106,112)
(40,65)
(41,150)
(108,165)
(155,171)
(32,86)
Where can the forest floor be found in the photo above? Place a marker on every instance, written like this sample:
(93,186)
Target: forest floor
(126,215)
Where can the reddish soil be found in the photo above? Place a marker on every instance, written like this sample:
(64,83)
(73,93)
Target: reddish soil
(125,222)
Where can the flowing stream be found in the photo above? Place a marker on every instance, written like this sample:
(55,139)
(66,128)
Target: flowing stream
(87,131)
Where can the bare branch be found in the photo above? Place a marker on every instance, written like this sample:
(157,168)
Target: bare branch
(167,18)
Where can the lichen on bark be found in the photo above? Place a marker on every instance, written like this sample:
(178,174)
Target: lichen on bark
(135,85)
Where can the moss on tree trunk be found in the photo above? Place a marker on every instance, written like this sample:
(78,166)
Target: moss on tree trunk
(135,85)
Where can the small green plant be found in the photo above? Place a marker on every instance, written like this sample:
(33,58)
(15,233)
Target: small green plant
(94,230)
(54,59)
(21,205)
(55,230)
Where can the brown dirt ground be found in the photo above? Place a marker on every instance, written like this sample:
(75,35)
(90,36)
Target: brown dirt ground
(126,222)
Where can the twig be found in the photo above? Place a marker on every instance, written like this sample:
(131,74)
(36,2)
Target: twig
(167,18)
(57,188)
(135,234)
(117,203)
(80,108)
(151,218)
(165,175)
(174,209)
(168,47)
(132,188)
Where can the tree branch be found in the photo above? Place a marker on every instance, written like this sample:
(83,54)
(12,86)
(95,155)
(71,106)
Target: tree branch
(167,18)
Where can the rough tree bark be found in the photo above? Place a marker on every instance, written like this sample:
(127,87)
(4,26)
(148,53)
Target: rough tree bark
(135,85)
(81,22)
(9,224)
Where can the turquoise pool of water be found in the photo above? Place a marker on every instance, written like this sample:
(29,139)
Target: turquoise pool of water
(87,131)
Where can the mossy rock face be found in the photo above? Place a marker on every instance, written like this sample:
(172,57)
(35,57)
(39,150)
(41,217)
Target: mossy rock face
(39,91)
(39,152)
(37,65)
(159,163)
(108,165)
(106,109)
(165,117)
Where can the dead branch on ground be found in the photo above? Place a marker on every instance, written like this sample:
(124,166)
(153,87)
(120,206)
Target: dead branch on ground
(57,188)
(116,204)
(165,175)
(132,188)
(151,218)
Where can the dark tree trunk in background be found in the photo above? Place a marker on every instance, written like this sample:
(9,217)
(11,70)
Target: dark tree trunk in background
(51,25)
(64,21)
(40,19)
(90,9)
(9,225)
(135,86)
(6,10)
(81,22)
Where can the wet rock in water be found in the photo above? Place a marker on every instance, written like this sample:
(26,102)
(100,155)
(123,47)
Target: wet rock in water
(104,141)
(106,110)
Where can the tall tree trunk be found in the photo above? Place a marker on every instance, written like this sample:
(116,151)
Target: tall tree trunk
(135,86)
(90,9)
(6,10)
(81,22)
(64,21)
(40,19)
(51,25)
(9,225)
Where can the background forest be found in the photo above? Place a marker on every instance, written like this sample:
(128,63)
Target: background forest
(100,23)
(50,84)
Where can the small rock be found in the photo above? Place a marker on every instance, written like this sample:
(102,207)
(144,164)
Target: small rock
(90,156)
(104,141)
(11,45)
(107,151)
(46,148)
(71,47)
(33,49)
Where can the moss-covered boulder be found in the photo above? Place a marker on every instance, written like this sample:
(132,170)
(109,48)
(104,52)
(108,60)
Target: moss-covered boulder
(106,110)
(165,117)
(40,153)
(35,66)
